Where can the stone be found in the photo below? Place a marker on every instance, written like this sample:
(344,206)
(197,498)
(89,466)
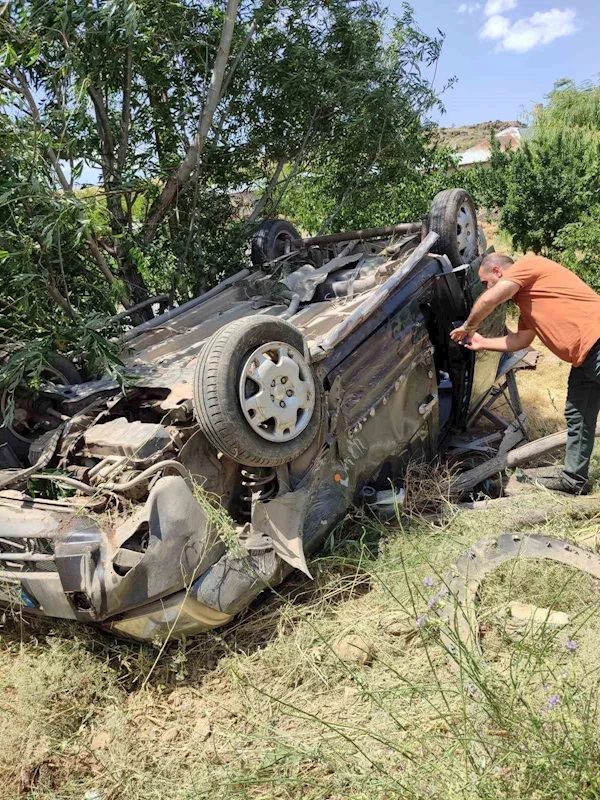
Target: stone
(354,648)
(202,729)
(539,616)
(101,740)
(170,734)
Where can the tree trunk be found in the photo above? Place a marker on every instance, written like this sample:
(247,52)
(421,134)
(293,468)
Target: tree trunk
(164,203)
(112,164)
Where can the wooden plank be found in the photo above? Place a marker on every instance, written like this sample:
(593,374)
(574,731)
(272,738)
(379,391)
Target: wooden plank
(514,435)
(482,445)
(513,393)
(514,458)
(496,419)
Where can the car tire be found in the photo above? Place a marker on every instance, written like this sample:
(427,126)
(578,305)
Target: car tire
(63,370)
(481,241)
(217,396)
(453,218)
(269,240)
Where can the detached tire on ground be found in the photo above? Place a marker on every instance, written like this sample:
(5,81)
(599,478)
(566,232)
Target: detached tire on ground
(453,218)
(256,398)
(270,239)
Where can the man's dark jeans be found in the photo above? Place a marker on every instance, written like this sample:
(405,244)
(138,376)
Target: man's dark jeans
(583,405)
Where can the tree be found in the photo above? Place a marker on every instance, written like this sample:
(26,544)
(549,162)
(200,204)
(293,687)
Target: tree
(180,106)
(554,179)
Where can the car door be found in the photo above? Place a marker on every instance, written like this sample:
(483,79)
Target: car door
(485,362)
(386,380)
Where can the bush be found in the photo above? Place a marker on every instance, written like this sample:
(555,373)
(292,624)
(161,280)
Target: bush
(577,246)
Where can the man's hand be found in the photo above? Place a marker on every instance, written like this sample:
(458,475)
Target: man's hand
(502,344)
(483,307)
(458,334)
(475,341)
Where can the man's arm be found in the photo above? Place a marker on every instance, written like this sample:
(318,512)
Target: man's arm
(484,305)
(502,344)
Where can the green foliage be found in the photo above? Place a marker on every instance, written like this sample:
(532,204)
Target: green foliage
(549,190)
(577,246)
(333,91)
(548,187)
(489,183)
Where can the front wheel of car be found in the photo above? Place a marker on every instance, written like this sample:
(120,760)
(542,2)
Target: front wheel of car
(453,218)
(256,397)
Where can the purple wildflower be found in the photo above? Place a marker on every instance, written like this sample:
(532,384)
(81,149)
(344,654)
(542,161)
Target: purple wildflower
(572,645)
(553,701)
(421,621)
(432,602)
(428,582)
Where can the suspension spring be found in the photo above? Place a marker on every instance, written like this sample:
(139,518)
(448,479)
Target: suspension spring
(259,483)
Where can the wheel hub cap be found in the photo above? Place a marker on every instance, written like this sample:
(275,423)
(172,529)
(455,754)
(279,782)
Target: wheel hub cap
(466,231)
(277,392)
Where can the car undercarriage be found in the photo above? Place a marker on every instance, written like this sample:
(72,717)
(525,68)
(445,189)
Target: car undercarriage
(252,419)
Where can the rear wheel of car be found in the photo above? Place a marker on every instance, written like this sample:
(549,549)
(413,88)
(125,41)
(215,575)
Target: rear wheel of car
(271,239)
(255,396)
(453,218)
(58,370)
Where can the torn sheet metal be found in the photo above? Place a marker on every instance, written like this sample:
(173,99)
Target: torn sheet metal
(305,280)
(282,519)
(44,449)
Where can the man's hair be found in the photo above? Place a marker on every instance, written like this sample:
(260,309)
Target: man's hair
(495,260)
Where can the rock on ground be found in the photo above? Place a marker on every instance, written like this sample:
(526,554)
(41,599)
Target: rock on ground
(354,648)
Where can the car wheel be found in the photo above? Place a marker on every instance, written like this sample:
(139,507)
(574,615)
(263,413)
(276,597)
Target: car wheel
(269,241)
(481,241)
(453,218)
(59,370)
(256,397)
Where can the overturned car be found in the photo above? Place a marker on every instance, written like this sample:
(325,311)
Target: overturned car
(255,416)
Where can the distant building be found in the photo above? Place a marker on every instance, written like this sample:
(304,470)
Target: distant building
(510,138)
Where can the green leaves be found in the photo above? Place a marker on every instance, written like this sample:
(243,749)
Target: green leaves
(324,106)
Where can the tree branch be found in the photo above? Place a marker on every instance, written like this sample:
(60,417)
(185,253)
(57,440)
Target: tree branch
(52,157)
(165,201)
(266,195)
(297,161)
(35,114)
(126,112)
(102,119)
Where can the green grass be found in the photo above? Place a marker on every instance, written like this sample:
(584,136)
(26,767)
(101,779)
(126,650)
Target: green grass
(266,708)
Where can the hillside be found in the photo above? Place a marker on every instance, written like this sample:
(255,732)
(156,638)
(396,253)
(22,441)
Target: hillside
(461,137)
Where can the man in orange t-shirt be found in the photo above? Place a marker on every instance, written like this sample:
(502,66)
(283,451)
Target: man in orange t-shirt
(565,313)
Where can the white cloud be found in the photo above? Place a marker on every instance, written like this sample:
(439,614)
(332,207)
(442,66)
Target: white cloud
(494,7)
(468,8)
(542,27)
(523,35)
(496,27)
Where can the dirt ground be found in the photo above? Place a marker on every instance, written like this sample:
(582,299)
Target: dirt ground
(280,704)
(335,689)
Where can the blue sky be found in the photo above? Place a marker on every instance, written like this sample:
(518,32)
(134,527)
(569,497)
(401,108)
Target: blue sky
(507,54)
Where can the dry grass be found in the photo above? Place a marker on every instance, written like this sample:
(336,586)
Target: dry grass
(266,708)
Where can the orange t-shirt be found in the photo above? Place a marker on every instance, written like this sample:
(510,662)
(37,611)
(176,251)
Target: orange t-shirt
(557,305)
